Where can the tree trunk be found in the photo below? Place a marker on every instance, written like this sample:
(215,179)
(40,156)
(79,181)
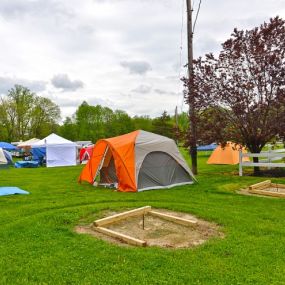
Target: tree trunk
(193,153)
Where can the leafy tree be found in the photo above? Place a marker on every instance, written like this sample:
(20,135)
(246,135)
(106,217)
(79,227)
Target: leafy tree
(88,122)
(44,117)
(120,123)
(143,123)
(23,114)
(69,129)
(245,86)
(96,122)
(163,125)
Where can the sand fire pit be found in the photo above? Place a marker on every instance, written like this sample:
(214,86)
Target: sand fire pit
(152,227)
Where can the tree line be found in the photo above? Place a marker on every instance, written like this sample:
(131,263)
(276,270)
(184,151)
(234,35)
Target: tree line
(96,122)
(24,115)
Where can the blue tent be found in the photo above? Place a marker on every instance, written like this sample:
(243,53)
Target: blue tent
(8,156)
(7,146)
(208,147)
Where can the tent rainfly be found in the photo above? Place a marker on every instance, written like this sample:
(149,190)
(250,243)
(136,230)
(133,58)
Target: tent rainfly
(59,151)
(7,146)
(229,154)
(137,161)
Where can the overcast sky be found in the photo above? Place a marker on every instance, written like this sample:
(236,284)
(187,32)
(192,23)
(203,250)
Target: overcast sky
(124,54)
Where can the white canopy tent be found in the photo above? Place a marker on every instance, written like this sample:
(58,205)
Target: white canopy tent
(59,151)
(28,143)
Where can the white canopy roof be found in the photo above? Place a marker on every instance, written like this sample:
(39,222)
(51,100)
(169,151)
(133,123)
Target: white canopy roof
(53,140)
(28,142)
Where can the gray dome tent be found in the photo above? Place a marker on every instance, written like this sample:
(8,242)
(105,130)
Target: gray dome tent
(137,161)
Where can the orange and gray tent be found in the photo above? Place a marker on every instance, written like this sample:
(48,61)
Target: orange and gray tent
(137,161)
(228,154)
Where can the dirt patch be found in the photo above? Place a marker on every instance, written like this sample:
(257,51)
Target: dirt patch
(158,231)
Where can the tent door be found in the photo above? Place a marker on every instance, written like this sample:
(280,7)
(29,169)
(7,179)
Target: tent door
(160,170)
(107,169)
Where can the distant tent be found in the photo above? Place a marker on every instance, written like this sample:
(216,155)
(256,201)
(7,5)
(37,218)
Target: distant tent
(208,147)
(59,151)
(85,153)
(226,155)
(5,157)
(28,143)
(137,161)
(7,146)
(8,156)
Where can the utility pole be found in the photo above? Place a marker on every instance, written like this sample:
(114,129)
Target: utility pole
(176,126)
(191,101)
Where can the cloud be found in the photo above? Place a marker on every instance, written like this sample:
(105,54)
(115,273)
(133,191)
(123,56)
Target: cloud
(136,67)
(164,92)
(6,83)
(160,91)
(142,89)
(116,47)
(64,82)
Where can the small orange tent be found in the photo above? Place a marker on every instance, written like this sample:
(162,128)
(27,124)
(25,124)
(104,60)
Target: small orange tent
(229,154)
(137,161)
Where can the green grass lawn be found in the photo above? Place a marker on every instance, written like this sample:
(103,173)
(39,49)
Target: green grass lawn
(38,244)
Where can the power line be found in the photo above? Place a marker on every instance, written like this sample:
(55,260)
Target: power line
(181,36)
(181,46)
(197,14)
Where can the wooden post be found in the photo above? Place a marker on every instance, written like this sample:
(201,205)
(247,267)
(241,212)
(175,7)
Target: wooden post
(240,162)
(269,154)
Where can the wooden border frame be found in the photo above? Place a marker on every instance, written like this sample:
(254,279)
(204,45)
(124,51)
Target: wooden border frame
(123,237)
(174,219)
(98,225)
(122,216)
(260,187)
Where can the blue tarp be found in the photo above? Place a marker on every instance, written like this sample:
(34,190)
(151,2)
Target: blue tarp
(7,146)
(39,154)
(26,164)
(208,147)
(11,191)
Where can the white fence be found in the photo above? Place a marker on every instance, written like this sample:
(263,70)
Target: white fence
(267,161)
